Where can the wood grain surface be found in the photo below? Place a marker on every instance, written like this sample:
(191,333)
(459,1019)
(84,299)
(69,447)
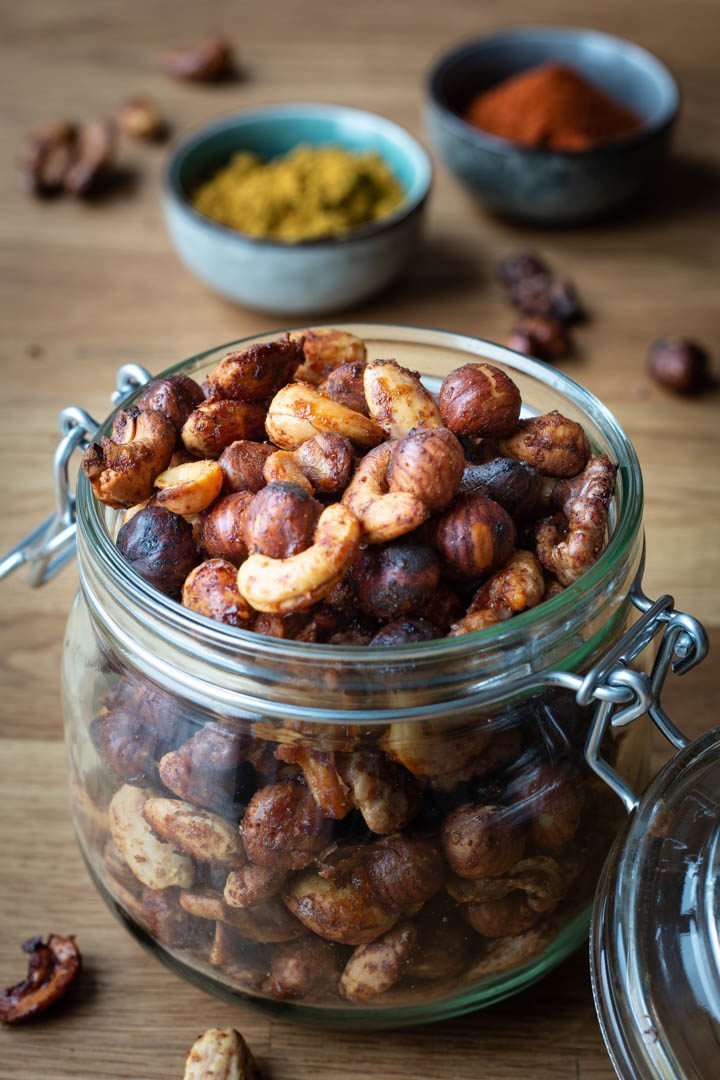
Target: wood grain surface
(84,288)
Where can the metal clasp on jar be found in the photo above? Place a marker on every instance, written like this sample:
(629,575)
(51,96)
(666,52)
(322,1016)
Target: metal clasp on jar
(51,544)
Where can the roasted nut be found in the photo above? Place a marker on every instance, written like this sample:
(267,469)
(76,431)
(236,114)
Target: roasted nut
(441,949)
(323,777)
(539,877)
(679,365)
(524,264)
(263,924)
(396,579)
(428,464)
(346,386)
(515,485)
(160,547)
(203,770)
(159,912)
(141,119)
(552,444)
(482,841)
(500,918)
(256,374)
(282,468)
(53,967)
(214,425)
(343,907)
(221,528)
(280,521)
(325,350)
(250,885)
(569,546)
(445,756)
(205,836)
(383,515)
(387,796)
(327,461)
(190,488)
(127,743)
(479,399)
(211,590)
(283,827)
(279,586)
(503,954)
(553,797)
(122,469)
(397,399)
(153,862)
(299,411)
(541,336)
(94,159)
(175,397)
(307,968)
(473,536)
(374,968)
(520,585)
(242,464)
(405,632)
(405,871)
(210,61)
(532,288)
(46,158)
(220,1055)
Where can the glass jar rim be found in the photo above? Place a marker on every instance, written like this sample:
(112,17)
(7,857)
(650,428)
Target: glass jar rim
(629,508)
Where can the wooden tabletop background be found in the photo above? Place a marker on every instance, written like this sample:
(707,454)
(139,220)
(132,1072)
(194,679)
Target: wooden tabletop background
(85,288)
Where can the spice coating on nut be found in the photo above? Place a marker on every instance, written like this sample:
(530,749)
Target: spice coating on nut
(479,399)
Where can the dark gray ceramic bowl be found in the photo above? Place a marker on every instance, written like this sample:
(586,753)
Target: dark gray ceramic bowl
(551,186)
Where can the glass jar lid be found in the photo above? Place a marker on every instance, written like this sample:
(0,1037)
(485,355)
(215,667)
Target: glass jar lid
(655,946)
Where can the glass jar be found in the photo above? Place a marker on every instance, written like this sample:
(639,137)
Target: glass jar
(426,824)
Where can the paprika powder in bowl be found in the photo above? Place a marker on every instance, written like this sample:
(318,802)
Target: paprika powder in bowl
(552,124)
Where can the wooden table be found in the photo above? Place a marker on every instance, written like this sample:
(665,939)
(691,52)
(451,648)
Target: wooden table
(85,288)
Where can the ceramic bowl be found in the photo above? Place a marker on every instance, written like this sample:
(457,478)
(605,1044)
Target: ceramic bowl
(551,186)
(314,276)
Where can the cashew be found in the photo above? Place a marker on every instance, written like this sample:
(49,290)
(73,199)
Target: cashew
(299,411)
(325,350)
(263,924)
(397,399)
(374,968)
(220,1055)
(281,467)
(200,833)
(189,488)
(520,585)
(349,911)
(279,586)
(157,864)
(383,514)
(123,468)
(250,885)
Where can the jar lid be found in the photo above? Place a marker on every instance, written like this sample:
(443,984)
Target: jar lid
(655,946)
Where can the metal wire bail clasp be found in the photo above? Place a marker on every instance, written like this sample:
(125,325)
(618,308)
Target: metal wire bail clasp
(52,543)
(624,694)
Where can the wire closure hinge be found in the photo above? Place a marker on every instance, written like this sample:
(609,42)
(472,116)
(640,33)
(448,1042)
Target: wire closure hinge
(623,694)
(52,543)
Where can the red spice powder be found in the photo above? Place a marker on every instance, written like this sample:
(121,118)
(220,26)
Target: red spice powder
(551,106)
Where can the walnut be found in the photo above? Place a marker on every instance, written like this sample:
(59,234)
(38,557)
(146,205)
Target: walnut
(479,399)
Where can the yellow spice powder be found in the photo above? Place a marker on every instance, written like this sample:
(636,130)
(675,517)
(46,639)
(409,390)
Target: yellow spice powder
(311,192)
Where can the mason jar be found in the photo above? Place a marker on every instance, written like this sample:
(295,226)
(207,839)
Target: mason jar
(428,821)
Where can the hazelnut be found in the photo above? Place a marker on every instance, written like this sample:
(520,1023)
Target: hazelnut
(221,528)
(541,336)
(242,464)
(427,463)
(46,158)
(473,536)
(280,521)
(141,119)
(283,827)
(256,374)
(209,61)
(679,365)
(515,485)
(304,969)
(525,264)
(482,841)
(346,386)
(405,632)
(174,397)
(211,590)
(501,918)
(94,161)
(326,460)
(396,579)
(552,444)
(159,546)
(553,797)
(479,399)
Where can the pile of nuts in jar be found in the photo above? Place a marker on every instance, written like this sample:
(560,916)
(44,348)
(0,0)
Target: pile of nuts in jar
(306,493)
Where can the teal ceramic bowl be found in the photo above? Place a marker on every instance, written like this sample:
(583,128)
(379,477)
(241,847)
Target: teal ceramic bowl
(551,187)
(315,276)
